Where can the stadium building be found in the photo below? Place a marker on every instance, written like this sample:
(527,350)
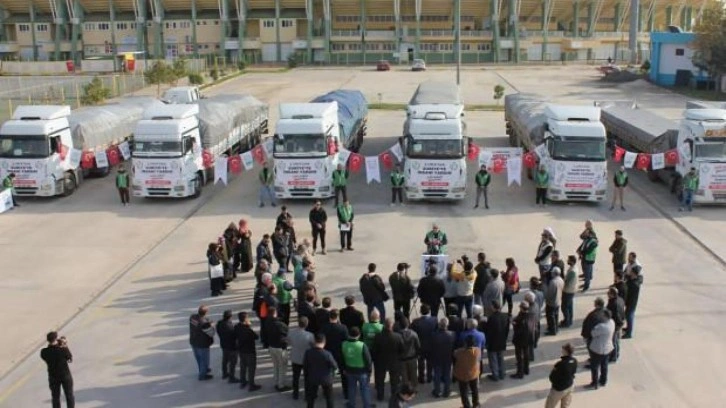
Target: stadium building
(334,31)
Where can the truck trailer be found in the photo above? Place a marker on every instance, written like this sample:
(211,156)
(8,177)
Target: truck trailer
(575,144)
(176,145)
(702,129)
(434,143)
(36,143)
(308,138)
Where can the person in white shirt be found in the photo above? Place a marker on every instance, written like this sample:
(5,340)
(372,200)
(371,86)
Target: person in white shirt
(600,347)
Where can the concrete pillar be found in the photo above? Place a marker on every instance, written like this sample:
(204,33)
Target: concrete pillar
(417,48)
(545,26)
(309,14)
(618,17)
(158,21)
(223,27)
(576,19)
(689,18)
(326,15)
(495,29)
(32,32)
(397,27)
(112,16)
(590,18)
(640,18)
(457,30)
(363,31)
(669,15)
(141,26)
(59,22)
(278,47)
(514,27)
(634,29)
(651,18)
(195,48)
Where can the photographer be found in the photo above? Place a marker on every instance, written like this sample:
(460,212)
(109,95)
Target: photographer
(436,241)
(402,289)
(57,356)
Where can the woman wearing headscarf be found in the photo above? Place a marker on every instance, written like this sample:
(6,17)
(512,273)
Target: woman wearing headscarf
(231,240)
(216,268)
(245,247)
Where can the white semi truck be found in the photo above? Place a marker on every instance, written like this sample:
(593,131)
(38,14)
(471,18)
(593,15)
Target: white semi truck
(574,140)
(308,138)
(37,143)
(702,129)
(434,143)
(176,145)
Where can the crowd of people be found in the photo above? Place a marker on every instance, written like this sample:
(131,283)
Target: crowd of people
(466,318)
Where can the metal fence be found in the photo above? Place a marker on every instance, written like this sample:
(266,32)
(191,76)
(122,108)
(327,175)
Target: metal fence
(59,90)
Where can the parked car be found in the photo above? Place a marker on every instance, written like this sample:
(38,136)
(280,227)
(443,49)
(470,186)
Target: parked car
(383,65)
(418,65)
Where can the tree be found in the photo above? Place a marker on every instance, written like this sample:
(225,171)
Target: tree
(710,42)
(179,70)
(95,92)
(159,73)
(498,93)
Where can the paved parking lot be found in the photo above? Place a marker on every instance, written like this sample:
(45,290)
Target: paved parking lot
(122,281)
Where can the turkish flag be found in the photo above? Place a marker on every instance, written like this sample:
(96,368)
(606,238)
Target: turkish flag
(530,160)
(259,154)
(356,162)
(643,161)
(618,155)
(87,160)
(207,160)
(671,157)
(63,151)
(497,165)
(473,151)
(114,157)
(387,160)
(235,164)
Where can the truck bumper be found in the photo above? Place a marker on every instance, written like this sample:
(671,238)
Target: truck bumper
(46,188)
(163,192)
(439,195)
(303,194)
(576,195)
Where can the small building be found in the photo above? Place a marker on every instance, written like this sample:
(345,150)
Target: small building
(672,60)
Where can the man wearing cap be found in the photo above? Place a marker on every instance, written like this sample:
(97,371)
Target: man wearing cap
(436,241)
(482,179)
(122,184)
(267,179)
(402,289)
(553,296)
(620,179)
(690,185)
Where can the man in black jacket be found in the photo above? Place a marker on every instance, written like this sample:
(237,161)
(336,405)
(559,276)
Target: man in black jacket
(456,323)
(401,289)
(374,291)
(319,367)
(431,290)
(633,281)
(562,378)
(201,337)
(386,353)
(228,344)
(595,317)
(350,316)
(442,358)
(56,357)
(246,338)
(483,277)
(281,246)
(425,326)
(276,336)
(616,306)
(335,334)
(318,219)
(409,354)
(305,308)
(496,330)
(619,249)
(322,313)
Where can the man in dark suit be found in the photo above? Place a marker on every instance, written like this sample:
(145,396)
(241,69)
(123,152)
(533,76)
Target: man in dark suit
(431,290)
(442,358)
(319,367)
(335,334)
(425,326)
(350,316)
(497,330)
(386,353)
(57,356)
(402,289)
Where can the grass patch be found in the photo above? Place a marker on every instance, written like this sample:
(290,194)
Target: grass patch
(700,94)
(402,106)
(223,79)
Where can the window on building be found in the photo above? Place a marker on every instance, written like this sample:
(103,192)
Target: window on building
(185,24)
(41,27)
(89,27)
(122,26)
(268,23)
(446,47)
(680,52)
(23,28)
(286,23)
(216,22)
(104,26)
(372,47)
(389,46)
(428,47)
(354,47)
(465,47)
(337,47)
(486,47)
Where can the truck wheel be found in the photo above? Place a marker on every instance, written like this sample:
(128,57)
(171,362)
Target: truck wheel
(69,184)
(197,187)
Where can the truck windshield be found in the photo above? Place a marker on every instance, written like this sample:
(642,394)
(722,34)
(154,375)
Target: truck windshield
(26,146)
(435,149)
(710,150)
(578,149)
(307,145)
(158,148)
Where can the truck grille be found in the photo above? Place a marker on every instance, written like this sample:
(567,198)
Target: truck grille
(26,190)
(159,191)
(302,192)
(435,193)
(577,195)
(719,196)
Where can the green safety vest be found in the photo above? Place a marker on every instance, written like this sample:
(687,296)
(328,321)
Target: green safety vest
(482,179)
(590,256)
(368,332)
(339,178)
(345,212)
(122,180)
(8,182)
(690,182)
(283,296)
(266,177)
(542,179)
(621,177)
(397,179)
(353,354)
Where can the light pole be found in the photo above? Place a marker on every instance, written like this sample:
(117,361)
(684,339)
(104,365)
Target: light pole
(458,42)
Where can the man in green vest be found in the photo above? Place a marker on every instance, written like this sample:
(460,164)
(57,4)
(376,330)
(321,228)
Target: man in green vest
(690,185)
(482,178)
(340,183)
(284,296)
(267,180)
(436,241)
(542,182)
(397,181)
(9,184)
(357,367)
(122,184)
(587,253)
(371,328)
(621,181)
(345,224)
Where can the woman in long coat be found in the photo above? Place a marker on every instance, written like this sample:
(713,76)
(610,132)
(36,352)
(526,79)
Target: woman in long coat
(245,247)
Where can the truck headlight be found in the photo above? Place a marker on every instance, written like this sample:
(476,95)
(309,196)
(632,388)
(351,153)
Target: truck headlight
(324,188)
(600,192)
(555,191)
(700,192)
(412,189)
(136,187)
(179,188)
(46,186)
(458,189)
(279,189)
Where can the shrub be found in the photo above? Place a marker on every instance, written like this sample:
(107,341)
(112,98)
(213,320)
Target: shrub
(498,92)
(196,79)
(645,67)
(214,74)
(95,93)
(292,61)
(241,65)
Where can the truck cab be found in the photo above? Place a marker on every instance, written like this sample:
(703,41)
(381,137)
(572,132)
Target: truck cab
(704,132)
(167,154)
(434,146)
(305,149)
(181,95)
(35,144)
(576,160)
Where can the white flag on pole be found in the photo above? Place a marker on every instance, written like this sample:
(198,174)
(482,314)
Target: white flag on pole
(125,150)
(629,160)
(101,159)
(75,158)
(267,147)
(396,150)
(514,170)
(247,160)
(657,161)
(685,152)
(541,151)
(343,155)
(220,170)
(373,170)
(485,158)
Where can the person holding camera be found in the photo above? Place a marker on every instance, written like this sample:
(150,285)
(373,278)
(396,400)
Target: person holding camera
(436,241)
(57,356)
(402,289)
(201,337)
